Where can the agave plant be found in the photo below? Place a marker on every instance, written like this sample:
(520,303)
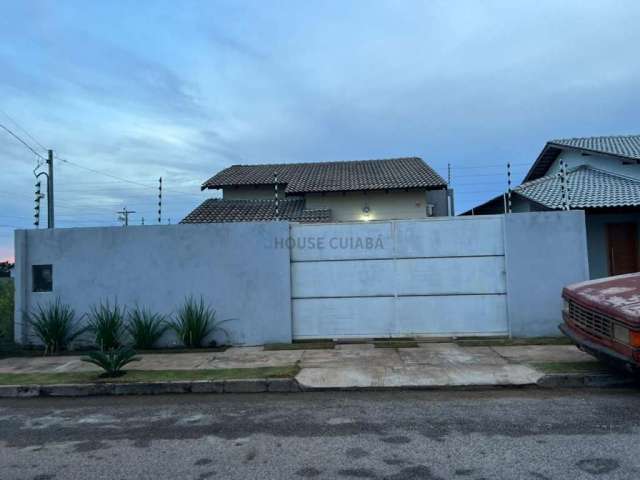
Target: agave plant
(194,321)
(55,325)
(112,361)
(106,322)
(145,327)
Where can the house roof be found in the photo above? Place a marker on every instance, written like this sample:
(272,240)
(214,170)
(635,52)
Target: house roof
(587,187)
(217,210)
(382,174)
(623,146)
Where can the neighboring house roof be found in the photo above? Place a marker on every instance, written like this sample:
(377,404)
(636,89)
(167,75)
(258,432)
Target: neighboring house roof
(333,176)
(218,210)
(623,146)
(587,187)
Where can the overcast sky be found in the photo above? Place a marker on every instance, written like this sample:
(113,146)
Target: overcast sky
(181,90)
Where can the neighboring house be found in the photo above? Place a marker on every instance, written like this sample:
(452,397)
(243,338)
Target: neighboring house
(603,179)
(362,190)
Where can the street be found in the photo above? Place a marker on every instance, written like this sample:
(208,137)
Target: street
(498,434)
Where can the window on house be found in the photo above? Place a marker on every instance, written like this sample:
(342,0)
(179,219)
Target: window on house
(42,278)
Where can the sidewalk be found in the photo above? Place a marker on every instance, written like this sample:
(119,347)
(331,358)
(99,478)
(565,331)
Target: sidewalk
(353,366)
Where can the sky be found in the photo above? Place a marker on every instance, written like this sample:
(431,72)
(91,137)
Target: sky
(127,92)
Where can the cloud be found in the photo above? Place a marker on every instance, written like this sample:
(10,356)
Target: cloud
(181,91)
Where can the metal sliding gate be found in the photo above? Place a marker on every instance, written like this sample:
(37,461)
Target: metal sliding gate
(431,277)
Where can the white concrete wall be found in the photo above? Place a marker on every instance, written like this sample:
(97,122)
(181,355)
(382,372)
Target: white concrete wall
(544,252)
(441,276)
(234,266)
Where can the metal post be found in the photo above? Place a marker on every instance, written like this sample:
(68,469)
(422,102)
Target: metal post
(563,189)
(509,187)
(277,206)
(160,201)
(50,214)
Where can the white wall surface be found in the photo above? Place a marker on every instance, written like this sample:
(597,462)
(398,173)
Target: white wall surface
(610,164)
(234,266)
(544,252)
(483,275)
(396,204)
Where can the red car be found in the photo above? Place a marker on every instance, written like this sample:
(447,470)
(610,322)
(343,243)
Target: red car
(602,317)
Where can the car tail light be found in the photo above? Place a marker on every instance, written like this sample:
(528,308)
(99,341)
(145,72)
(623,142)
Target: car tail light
(634,339)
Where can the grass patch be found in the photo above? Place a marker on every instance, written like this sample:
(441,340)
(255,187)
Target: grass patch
(572,367)
(137,376)
(13,350)
(324,345)
(396,344)
(511,342)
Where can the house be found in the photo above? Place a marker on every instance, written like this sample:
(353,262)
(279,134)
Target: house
(603,179)
(397,188)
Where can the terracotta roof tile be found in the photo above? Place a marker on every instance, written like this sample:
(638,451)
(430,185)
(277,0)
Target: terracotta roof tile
(218,210)
(382,174)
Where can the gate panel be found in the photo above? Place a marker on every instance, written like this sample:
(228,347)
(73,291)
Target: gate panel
(441,276)
(342,317)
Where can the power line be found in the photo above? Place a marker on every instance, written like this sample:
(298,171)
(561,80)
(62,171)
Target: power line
(102,173)
(23,130)
(23,142)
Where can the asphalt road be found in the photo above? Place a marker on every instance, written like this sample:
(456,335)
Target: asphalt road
(522,434)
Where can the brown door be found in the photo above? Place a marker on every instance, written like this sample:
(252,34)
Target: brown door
(623,248)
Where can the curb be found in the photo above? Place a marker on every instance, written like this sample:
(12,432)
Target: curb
(258,385)
(288,385)
(586,380)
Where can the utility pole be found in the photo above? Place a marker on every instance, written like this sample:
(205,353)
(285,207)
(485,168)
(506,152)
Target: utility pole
(449,174)
(50,214)
(124,216)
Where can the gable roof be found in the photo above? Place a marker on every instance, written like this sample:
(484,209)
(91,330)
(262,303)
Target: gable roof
(215,210)
(587,187)
(381,174)
(623,146)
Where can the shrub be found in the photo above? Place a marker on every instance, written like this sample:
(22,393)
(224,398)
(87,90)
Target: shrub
(6,309)
(55,325)
(195,321)
(145,327)
(106,322)
(112,361)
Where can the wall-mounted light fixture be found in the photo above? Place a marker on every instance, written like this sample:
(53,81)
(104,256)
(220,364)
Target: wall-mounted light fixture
(366,211)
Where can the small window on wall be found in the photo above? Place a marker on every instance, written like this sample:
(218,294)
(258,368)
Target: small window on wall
(42,278)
